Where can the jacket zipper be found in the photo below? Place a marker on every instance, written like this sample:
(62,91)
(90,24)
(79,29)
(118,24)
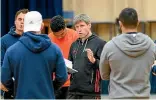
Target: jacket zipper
(92,77)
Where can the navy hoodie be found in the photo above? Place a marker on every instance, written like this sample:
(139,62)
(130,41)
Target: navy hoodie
(31,61)
(8,40)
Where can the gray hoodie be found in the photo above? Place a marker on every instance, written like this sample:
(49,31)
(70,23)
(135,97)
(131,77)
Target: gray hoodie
(126,61)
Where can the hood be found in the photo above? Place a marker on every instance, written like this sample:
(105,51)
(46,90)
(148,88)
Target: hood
(12,31)
(86,41)
(132,45)
(35,42)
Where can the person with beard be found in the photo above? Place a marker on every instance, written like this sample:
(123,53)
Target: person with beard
(126,60)
(8,40)
(63,37)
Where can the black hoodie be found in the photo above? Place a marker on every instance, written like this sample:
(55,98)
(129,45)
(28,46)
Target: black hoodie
(85,79)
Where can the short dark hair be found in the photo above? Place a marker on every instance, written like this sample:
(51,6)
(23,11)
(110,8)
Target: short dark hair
(129,17)
(57,23)
(24,11)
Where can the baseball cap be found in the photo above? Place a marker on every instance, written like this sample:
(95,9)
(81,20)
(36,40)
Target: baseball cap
(32,21)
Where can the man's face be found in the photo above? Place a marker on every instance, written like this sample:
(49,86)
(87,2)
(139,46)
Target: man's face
(19,22)
(60,34)
(82,28)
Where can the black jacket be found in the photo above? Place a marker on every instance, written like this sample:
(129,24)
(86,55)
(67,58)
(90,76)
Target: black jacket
(85,79)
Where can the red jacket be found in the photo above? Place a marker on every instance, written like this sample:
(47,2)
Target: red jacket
(64,44)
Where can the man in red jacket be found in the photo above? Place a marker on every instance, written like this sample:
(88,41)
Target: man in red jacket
(63,37)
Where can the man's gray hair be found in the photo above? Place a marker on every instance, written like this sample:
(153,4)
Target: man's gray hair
(82,17)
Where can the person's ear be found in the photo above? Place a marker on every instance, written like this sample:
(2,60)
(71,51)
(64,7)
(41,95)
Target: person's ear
(42,26)
(15,22)
(138,23)
(120,24)
(90,25)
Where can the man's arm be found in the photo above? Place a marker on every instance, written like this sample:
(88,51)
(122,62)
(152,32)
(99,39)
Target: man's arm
(102,44)
(61,71)
(3,50)
(104,64)
(91,56)
(3,88)
(6,73)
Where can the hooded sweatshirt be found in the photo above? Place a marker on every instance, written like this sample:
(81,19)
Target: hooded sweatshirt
(7,40)
(31,61)
(126,61)
(86,80)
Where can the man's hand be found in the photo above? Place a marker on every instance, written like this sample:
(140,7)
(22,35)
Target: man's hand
(3,87)
(90,55)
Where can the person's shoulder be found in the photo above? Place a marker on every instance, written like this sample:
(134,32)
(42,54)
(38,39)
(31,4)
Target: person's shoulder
(110,42)
(50,35)
(6,37)
(109,45)
(15,47)
(75,43)
(100,40)
(72,36)
(147,37)
(144,35)
(5,40)
(54,47)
